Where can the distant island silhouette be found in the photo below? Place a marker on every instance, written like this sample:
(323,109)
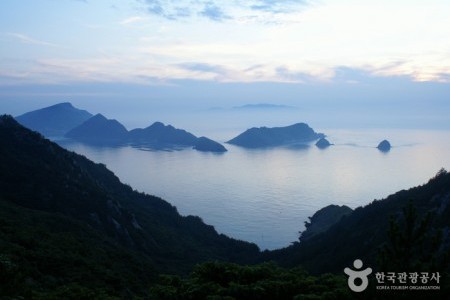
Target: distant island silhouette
(384,146)
(55,120)
(64,120)
(160,134)
(263,106)
(207,145)
(263,137)
(99,129)
(323,143)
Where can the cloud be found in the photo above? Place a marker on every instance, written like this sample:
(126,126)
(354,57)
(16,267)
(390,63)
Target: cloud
(214,12)
(142,70)
(155,7)
(203,67)
(277,6)
(171,10)
(205,71)
(255,73)
(132,20)
(28,40)
(443,77)
(287,75)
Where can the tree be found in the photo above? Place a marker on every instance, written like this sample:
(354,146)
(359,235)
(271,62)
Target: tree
(413,244)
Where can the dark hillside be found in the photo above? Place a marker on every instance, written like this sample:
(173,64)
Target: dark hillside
(369,229)
(49,254)
(99,130)
(45,184)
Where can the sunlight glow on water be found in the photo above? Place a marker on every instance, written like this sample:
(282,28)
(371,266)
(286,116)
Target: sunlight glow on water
(264,196)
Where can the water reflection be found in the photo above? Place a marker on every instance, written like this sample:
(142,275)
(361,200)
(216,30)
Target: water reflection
(265,195)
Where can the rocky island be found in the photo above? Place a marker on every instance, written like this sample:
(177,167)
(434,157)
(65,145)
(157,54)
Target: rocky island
(323,143)
(99,130)
(161,135)
(263,137)
(207,145)
(384,146)
(64,120)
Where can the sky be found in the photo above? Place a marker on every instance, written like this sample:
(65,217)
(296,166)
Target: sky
(195,53)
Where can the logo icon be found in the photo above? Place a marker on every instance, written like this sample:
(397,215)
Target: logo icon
(361,274)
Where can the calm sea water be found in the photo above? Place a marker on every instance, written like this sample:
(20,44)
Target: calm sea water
(265,196)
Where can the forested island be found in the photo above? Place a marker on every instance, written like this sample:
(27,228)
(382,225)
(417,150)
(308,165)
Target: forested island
(264,137)
(64,120)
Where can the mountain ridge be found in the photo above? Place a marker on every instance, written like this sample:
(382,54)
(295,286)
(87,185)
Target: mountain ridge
(54,120)
(98,129)
(159,133)
(64,120)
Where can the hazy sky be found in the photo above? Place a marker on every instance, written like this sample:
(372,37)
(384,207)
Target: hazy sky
(240,51)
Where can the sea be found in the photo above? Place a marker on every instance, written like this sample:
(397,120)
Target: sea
(265,196)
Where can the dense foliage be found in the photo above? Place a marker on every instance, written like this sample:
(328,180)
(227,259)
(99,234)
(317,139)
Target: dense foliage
(406,232)
(216,280)
(44,254)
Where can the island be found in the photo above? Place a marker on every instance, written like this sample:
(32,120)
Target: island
(207,145)
(264,106)
(384,146)
(55,120)
(161,135)
(64,120)
(264,137)
(99,130)
(323,143)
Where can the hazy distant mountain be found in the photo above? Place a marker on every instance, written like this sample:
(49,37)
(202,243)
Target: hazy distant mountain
(99,129)
(252,107)
(55,120)
(276,136)
(262,106)
(206,145)
(65,120)
(160,134)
